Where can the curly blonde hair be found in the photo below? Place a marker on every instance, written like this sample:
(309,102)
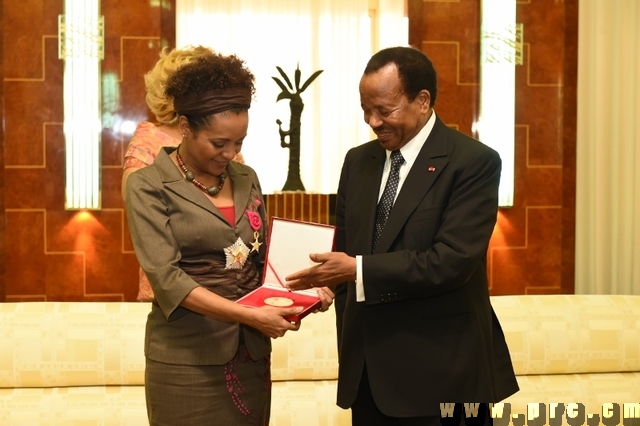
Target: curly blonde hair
(155,80)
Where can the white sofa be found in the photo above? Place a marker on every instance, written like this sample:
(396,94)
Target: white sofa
(573,349)
(82,363)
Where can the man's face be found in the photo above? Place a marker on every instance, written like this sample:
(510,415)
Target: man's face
(392,117)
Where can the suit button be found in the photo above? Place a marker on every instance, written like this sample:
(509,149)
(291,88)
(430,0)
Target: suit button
(236,231)
(239,290)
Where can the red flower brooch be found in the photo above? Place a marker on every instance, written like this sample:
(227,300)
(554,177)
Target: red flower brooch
(256,224)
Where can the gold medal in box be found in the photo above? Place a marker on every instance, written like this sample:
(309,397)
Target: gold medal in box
(279,302)
(288,247)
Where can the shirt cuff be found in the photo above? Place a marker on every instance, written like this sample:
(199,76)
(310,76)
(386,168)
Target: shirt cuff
(359,283)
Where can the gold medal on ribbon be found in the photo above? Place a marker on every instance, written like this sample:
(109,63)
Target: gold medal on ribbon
(256,243)
(236,254)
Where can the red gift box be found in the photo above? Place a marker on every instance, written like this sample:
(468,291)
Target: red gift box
(289,245)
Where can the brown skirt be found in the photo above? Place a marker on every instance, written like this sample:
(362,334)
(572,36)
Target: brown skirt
(237,393)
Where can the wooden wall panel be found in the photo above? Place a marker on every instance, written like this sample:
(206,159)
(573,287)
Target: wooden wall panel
(532,249)
(57,254)
(569,141)
(301,206)
(2,181)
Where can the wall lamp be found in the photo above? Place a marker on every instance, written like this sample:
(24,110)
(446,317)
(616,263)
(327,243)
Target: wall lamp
(501,49)
(81,46)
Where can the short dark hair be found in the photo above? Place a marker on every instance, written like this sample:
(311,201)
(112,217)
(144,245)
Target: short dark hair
(415,70)
(213,72)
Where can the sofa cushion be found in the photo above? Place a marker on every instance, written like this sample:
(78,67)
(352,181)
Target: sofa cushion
(566,334)
(86,405)
(311,353)
(46,344)
(308,403)
(591,390)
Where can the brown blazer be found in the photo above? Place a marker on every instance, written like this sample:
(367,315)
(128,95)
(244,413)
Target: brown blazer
(173,224)
(426,332)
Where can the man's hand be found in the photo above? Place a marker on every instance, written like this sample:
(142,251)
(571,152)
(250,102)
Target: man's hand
(333,268)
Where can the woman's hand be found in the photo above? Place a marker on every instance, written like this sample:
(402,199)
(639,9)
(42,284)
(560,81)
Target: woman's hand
(271,322)
(326,296)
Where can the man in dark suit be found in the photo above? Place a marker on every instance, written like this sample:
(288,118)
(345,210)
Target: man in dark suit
(415,323)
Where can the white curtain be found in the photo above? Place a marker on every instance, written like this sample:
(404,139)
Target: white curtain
(608,148)
(330,35)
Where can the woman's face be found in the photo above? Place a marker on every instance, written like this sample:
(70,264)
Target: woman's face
(214,146)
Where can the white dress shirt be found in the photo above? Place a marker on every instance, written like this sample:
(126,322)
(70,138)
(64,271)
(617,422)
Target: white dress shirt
(410,152)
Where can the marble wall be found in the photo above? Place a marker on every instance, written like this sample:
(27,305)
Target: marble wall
(532,249)
(53,254)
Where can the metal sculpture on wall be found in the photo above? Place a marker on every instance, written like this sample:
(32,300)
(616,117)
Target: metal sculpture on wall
(293,182)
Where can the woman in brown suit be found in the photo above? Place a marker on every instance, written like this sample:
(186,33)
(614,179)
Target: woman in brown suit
(198,225)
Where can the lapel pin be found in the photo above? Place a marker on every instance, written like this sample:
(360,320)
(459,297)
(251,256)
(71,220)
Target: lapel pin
(432,169)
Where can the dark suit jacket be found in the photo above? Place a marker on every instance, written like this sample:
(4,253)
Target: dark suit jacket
(173,226)
(427,331)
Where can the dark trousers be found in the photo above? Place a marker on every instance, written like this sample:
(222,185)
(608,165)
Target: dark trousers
(364,411)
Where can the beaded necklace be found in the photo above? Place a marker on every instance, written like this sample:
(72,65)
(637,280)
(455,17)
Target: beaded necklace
(212,190)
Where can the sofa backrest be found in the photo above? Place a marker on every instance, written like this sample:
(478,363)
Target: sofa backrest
(565,334)
(50,344)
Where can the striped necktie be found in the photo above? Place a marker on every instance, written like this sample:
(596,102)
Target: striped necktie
(388,195)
